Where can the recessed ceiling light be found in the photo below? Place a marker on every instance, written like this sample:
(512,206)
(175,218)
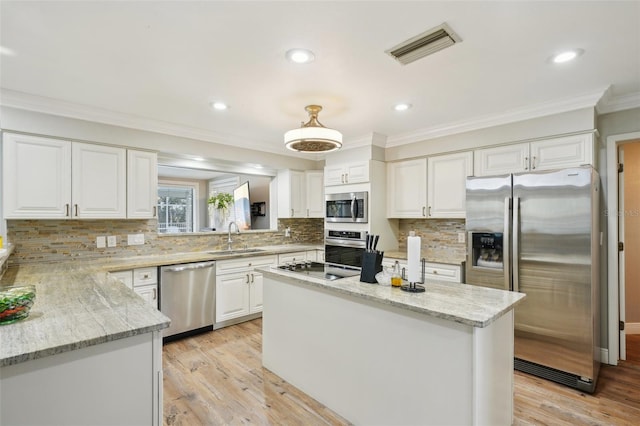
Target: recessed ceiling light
(220,106)
(300,56)
(566,56)
(402,107)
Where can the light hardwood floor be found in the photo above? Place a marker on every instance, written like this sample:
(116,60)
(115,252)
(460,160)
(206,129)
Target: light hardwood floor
(217,378)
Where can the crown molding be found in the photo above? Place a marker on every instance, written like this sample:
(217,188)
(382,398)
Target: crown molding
(41,104)
(511,116)
(610,103)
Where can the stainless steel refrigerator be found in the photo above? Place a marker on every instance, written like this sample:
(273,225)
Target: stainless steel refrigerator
(538,233)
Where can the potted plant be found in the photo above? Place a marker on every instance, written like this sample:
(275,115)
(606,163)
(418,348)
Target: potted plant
(220,203)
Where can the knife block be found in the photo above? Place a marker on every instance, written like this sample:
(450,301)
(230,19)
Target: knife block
(371,265)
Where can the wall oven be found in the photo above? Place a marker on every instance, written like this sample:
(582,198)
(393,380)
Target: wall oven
(347,207)
(344,248)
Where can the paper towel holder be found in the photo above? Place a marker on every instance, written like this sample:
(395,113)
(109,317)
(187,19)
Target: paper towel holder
(416,287)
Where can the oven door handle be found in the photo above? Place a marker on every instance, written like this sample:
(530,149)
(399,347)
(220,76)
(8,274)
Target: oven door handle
(344,243)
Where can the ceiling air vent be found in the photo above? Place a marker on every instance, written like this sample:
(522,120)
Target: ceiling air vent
(424,44)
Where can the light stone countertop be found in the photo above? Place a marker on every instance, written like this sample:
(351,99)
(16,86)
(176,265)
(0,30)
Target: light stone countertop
(78,304)
(467,304)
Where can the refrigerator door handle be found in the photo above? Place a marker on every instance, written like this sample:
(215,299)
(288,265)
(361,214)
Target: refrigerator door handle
(516,245)
(506,254)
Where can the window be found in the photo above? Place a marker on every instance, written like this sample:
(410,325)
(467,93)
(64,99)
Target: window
(176,207)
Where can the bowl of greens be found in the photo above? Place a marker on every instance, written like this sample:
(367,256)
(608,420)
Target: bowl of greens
(16,302)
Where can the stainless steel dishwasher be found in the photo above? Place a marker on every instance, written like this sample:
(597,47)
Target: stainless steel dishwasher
(187,296)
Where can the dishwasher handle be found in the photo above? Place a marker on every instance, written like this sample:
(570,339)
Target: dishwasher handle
(189,266)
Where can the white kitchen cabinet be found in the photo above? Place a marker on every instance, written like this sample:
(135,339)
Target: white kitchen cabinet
(45,178)
(144,281)
(142,184)
(341,174)
(447,184)
(300,194)
(406,189)
(36,180)
(547,154)
(239,287)
(314,192)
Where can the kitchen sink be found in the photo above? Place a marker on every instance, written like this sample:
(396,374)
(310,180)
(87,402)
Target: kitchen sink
(236,251)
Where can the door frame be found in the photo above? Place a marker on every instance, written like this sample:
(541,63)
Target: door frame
(616,298)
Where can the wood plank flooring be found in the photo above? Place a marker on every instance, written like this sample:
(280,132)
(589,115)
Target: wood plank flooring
(217,378)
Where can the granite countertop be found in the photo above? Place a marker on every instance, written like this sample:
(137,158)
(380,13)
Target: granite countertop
(78,304)
(467,304)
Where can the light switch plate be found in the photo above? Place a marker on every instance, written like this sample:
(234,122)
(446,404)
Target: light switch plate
(111,241)
(101,242)
(135,239)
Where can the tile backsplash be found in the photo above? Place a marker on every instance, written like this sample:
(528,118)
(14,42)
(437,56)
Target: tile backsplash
(64,240)
(439,237)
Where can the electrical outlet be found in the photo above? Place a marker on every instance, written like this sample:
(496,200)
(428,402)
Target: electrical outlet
(461,238)
(287,232)
(111,241)
(135,239)
(101,242)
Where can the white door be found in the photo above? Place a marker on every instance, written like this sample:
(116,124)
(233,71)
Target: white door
(446,184)
(256,282)
(558,153)
(232,295)
(98,181)
(407,189)
(314,191)
(142,184)
(501,160)
(36,179)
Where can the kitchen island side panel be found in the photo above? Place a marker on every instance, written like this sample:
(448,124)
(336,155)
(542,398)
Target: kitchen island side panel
(377,364)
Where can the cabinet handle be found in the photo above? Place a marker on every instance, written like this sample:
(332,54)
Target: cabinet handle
(155,211)
(155,294)
(342,178)
(75,206)
(291,212)
(66,210)
(429,211)
(346,178)
(533,163)
(307,212)
(424,211)
(251,278)
(526,163)
(247,279)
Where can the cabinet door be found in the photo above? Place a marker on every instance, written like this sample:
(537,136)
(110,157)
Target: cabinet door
(406,189)
(570,151)
(99,181)
(502,160)
(256,281)
(447,184)
(142,184)
(314,192)
(334,175)
(125,276)
(291,196)
(232,295)
(36,180)
(149,293)
(357,172)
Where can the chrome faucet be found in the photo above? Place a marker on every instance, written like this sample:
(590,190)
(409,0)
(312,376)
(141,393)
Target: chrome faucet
(229,240)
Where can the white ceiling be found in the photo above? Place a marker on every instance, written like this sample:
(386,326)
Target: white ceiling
(157,65)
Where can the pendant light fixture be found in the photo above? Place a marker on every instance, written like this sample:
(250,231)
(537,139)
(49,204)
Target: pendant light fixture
(312,136)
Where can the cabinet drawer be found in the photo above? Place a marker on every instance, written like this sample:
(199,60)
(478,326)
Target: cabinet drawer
(145,276)
(232,265)
(298,256)
(442,272)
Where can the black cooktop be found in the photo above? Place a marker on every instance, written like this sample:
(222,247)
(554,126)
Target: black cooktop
(321,270)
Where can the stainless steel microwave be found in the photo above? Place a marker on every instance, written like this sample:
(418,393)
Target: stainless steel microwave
(350,207)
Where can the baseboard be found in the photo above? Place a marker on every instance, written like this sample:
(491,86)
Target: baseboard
(632,327)
(604,355)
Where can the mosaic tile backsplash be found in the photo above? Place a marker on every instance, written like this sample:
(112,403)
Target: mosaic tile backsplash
(64,240)
(439,237)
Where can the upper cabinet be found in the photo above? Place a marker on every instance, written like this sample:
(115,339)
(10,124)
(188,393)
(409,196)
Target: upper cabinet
(556,153)
(440,193)
(46,178)
(300,194)
(142,184)
(447,184)
(342,174)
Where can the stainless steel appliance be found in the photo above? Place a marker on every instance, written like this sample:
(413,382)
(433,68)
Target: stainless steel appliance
(347,207)
(344,247)
(538,233)
(187,297)
(321,270)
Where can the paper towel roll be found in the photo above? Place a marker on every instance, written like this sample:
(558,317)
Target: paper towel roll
(414,268)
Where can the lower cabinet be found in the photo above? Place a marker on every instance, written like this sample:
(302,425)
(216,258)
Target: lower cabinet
(239,287)
(432,271)
(144,281)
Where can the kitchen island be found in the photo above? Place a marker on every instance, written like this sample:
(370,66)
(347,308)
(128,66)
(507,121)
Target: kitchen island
(378,355)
